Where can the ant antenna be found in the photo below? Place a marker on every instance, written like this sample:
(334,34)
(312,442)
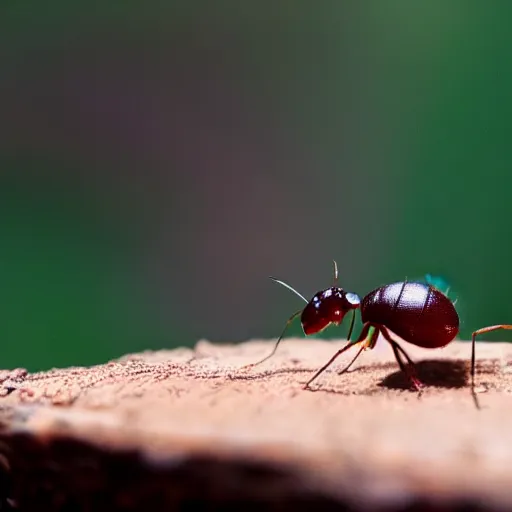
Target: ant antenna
(335,272)
(289,321)
(290,288)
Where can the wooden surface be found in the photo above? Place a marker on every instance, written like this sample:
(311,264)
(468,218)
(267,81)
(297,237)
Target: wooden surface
(153,430)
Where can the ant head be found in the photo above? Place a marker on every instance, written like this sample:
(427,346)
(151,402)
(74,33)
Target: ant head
(327,307)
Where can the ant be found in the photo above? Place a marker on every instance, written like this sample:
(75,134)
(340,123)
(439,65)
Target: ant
(418,313)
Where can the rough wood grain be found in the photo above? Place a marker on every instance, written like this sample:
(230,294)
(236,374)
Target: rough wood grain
(167,429)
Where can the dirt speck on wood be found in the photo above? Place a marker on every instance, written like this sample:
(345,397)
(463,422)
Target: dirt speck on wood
(161,429)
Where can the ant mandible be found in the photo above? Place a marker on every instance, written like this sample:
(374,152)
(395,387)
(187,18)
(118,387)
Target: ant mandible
(418,313)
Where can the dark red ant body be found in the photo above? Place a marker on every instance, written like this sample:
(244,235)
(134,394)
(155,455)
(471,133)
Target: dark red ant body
(418,313)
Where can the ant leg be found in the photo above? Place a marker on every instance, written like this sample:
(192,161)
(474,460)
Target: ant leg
(483,330)
(351,328)
(289,321)
(410,369)
(398,357)
(350,344)
(347,368)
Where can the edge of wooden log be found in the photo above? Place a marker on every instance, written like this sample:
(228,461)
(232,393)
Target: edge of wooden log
(61,446)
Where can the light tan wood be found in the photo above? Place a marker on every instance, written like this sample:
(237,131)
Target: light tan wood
(362,439)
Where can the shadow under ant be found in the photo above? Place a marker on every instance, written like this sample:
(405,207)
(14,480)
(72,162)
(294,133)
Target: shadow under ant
(436,373)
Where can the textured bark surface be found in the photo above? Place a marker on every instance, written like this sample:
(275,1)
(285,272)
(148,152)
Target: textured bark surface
(168,429)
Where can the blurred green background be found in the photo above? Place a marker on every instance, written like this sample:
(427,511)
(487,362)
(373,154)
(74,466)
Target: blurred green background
(159,160)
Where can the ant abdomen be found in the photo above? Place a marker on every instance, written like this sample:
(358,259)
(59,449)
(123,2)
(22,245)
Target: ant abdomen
(420,314)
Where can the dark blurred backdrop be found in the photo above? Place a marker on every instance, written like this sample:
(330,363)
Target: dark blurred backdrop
(158,160)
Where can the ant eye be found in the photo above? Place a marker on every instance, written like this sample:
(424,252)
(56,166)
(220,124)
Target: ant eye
(353,298)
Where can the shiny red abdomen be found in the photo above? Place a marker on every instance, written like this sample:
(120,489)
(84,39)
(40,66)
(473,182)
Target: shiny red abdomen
(416,312)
